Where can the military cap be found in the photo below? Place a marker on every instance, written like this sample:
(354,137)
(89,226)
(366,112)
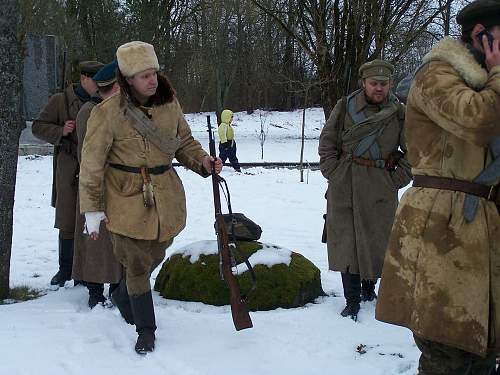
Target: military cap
(106,75)
(485,12)
(380,70)
(90,67)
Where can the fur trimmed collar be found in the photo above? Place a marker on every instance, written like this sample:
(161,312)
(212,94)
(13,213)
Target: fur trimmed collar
(455,53)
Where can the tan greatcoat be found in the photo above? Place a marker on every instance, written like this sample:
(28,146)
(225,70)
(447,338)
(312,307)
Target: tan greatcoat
(441,276)
(111,138)
(361,200)
(93,261)
(49,128)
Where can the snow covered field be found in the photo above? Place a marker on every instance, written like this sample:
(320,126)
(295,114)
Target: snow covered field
(58,334)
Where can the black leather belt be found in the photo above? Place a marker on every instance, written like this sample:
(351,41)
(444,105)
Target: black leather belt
(153,170)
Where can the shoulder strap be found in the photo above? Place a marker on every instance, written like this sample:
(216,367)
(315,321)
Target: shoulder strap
(150,131)
(340,125)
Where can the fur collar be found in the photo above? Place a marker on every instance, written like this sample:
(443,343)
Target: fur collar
(455,53)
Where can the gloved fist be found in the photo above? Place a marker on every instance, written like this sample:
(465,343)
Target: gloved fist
(93,222)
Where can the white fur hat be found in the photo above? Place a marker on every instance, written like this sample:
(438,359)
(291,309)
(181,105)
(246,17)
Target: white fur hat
(135,57)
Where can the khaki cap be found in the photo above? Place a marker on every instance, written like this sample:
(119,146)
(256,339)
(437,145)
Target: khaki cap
(380,70)
(90,67)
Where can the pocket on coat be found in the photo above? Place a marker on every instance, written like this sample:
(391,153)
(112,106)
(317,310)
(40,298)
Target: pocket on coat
(125,183)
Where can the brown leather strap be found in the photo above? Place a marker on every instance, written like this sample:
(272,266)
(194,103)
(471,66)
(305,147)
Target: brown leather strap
(468,187)
(369,162)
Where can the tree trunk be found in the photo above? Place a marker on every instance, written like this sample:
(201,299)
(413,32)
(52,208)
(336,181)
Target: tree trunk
(10,130)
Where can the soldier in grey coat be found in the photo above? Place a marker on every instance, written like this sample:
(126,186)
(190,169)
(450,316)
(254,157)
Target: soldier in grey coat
(56,125)
(361,151)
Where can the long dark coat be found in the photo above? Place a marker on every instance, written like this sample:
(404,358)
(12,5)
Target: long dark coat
(93,261)
(361,200)
(49,128)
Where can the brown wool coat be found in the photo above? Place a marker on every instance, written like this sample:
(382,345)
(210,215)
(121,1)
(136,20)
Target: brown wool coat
(441,276)
(49,128)
(111,138)
(361,200)
(93,261)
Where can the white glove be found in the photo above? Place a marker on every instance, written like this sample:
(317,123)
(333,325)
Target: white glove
(93,221)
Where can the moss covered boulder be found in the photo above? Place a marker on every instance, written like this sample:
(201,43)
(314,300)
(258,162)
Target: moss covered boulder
(284,278)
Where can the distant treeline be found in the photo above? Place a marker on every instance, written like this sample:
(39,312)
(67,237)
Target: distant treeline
(248,54)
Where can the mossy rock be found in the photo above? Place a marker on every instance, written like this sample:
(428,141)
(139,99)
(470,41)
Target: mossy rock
(281,285)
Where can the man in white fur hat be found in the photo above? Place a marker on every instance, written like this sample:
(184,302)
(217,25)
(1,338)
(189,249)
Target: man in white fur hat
(127,179)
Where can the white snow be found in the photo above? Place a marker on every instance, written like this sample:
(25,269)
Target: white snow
(194,250)
(269,255)
(58,335)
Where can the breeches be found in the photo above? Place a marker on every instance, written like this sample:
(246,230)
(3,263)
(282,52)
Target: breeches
(139,258)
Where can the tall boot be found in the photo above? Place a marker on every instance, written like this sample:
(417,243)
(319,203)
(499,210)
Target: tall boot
(96,295)
(65,262)
(368,290)
(121,299)
(352,289)
(144,317)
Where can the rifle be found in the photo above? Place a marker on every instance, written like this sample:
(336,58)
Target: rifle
(239,309)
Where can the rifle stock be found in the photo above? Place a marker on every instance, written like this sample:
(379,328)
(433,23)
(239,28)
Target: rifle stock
(239,308)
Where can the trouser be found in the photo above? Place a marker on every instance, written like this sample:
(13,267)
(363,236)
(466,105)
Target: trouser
(353,284)
(439,359)
(139,258)
(229,152)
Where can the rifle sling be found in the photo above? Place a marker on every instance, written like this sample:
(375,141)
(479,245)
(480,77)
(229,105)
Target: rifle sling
(148,130)
(244,296)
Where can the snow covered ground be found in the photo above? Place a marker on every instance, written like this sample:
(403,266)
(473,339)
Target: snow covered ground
(58,334)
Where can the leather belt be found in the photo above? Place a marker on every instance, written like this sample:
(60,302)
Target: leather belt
(154,170)
(490,193)
(380,163)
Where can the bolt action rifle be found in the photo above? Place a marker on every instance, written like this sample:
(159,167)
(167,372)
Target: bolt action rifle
(239,308)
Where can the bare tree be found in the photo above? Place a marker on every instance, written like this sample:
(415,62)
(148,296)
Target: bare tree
(339,35)
(10,130)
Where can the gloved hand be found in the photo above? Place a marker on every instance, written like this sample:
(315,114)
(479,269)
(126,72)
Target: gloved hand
(93,222)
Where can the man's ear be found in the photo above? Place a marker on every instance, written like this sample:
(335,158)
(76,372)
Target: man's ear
(477,41)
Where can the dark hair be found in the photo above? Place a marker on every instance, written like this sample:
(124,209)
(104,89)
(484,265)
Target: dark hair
(467,30)
(164,94)
(106,89)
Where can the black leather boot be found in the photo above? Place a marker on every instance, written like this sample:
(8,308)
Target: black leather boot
(368,290)
(352,289)
(96,295)
(65,263)
(144,317)
(121,299)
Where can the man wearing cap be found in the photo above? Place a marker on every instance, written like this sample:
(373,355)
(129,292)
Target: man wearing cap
(441,275)
(127,179)
(56,124)
(361,151)
(94,262)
